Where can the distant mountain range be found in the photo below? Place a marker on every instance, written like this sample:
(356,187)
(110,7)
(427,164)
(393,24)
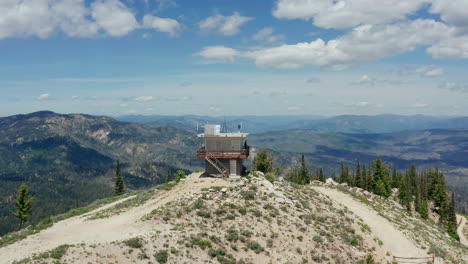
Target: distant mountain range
(70,159)
(345,123)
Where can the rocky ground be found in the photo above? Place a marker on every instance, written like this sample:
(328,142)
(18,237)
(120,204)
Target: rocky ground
(206,220)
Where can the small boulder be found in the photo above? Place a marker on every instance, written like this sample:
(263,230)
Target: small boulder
(344,184)
(224,190)
(280,200)
(315,182)
(330,181)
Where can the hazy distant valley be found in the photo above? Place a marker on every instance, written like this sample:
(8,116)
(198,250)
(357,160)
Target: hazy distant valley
(70,159)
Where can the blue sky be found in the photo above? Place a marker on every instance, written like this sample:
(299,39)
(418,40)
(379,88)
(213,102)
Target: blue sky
(219,57)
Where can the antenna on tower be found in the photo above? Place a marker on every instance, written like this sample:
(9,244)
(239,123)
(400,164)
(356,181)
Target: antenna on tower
(224,128)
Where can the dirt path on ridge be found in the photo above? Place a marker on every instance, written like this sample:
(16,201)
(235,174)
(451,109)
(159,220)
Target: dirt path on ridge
(463,239)
(125,225)
(393,239)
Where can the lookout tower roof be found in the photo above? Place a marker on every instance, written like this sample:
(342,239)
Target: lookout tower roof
(215,131)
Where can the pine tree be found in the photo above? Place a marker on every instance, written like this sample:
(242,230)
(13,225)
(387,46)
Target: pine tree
(404,193)
(413,179)
(168,175)
(263,162)
(438,192)
(364,177)
(370,179)
(304,175)
(342,173)
(321,176)
(417,199)
(119,188)
(359,179)
(23,205)
(381,184)
(452,218)
(394,178)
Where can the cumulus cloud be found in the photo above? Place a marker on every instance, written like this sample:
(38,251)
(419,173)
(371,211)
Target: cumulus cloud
(430,71)
(144,98)
(219,53)
(267,35)
(226,25)
(113,17)
(454,47)
(42,18)
(167,25)
(44,97)
(346,14)
(371,81)
(363,43)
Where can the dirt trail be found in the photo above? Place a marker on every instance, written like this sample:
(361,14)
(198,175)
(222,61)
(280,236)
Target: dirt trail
(126,225)
(393,239)
(463,239)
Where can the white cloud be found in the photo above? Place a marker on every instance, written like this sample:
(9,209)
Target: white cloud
(430,71)
(454,87)
(455,47)
(365,79)
(364,43)
(226,25)
(44,97)
(167,25)
(144,98)
(453,12)
(358,104)
(123,105)
(419,105)
(42,18)
(113,17)
(75,97)
(346,14)
(219,53)
(266,35)
(215,109)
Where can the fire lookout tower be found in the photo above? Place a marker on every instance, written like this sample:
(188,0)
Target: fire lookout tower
(223,152)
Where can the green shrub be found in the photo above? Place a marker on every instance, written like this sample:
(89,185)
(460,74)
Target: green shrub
(180,175)
(216,252)
(220,211)
(161,256)
(198,204)
(242,211)
(246,233)
(248,195)
(133,242)
(58,252)
(232,235)
(255,246)
(204,214)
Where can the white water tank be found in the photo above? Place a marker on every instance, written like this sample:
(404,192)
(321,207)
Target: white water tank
(212,130)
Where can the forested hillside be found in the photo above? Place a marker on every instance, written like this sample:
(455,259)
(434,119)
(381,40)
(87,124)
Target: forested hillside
(69,160)
(445,149)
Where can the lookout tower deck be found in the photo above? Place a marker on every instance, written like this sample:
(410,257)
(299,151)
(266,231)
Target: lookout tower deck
(223,152)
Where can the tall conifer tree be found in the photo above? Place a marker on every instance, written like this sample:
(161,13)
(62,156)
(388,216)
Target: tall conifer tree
(23,205)
(119,188)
